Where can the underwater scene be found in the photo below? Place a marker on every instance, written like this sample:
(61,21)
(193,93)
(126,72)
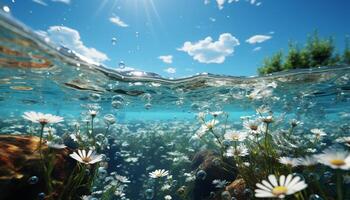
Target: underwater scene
(72,127)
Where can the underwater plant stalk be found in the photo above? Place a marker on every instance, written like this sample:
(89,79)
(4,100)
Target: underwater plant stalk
(299,195)
(219,141)
(266,137)
(41,139)
(339,185)
(323,195)
(46,174)
(92,126)
(74,181)
(92,130)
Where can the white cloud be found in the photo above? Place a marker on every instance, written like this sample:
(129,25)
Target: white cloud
(70,38)
(170,70)
(257,49)
(221,3)
(116,20)
(166,59)
(41,2)
(62,1)
(209,51)
(258,39)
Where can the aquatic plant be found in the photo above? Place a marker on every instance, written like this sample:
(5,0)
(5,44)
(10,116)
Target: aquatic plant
(280,187)
(86,158)
(158,173)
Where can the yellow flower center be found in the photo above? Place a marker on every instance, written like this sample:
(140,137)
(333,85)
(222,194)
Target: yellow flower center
(337,162)
(279,190)
(43,121)
(254,127)
(86,159)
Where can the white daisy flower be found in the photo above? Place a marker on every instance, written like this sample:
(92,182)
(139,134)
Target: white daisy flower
(201,115)
(159,173)
(239,151)
(319,133)
(274,189)
(253,126)
(263,109)
(93,113)
(216,113)
(295,122)
(235,136)
(266,119)
(335,158)
(86,158)
(168,197)
(211,124)
(206,127)
(293,162)
(38,117)
(344,140)
(165,187)
(122,179)
(307,161)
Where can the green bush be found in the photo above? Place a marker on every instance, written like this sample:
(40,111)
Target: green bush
(346,55)
(316,52)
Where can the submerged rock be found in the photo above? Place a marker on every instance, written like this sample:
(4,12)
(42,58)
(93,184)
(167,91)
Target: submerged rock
(21,171)
(210,167)
(237,188)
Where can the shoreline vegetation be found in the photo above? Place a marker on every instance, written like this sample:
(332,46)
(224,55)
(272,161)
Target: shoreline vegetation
(317,52)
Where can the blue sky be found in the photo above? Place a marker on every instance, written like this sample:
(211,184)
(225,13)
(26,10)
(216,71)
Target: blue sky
(177,38)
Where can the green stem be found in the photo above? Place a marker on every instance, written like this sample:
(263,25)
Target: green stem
(266,138)
(41,139)
(46,172)
(226,123)
(339,185)
(291,130)
(92,126)
(219,141)
(323,195)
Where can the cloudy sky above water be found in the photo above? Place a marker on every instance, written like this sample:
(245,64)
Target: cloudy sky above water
(177,38)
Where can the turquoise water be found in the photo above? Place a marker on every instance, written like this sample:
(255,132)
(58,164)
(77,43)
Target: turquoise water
(157,118)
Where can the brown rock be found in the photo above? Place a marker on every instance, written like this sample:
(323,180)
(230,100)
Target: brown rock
(20,160)
(236,189)
(214,168)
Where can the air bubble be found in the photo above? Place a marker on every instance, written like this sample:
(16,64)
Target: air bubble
(114,41)
(121,65)
(33,180)
(95,97)
(148,106)
(6,9)
(201,174)
(149,194)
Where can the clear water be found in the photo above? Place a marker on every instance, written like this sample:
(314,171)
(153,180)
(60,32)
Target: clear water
(157,117)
